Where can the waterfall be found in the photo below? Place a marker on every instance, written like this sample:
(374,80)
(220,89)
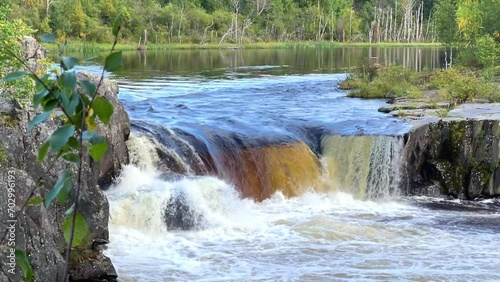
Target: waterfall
(366,166)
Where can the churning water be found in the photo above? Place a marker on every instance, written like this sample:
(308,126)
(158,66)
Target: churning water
(267,178)
(313,237)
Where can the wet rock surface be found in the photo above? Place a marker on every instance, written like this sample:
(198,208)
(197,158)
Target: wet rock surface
(179,214)
(460,154)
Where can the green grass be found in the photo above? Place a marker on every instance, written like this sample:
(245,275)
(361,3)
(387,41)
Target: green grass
(457,85)
(97,47)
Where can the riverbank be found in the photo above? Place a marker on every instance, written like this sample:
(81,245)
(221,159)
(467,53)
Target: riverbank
(418,94)
(97,47)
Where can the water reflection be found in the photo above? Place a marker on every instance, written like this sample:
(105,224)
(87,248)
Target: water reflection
(288,61)
(229,62)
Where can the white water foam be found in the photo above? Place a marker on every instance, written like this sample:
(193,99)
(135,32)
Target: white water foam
(313,237)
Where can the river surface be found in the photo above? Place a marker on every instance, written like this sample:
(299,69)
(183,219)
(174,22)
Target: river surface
(273,98)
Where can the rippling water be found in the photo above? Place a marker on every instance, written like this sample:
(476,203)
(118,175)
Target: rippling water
(330,236)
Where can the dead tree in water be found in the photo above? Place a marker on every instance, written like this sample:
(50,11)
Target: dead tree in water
(387,27)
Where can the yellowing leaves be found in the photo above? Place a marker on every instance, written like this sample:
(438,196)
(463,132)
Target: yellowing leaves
(90,120)
(462,23)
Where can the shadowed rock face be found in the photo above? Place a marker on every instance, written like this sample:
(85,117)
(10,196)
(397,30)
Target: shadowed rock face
(461,157)
(38,229)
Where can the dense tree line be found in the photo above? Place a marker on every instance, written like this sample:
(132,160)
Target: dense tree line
(242,21)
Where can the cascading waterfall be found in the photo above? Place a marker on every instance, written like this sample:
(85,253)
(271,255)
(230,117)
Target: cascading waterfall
(160,190)
(145,199)
(366,166)
(384,179)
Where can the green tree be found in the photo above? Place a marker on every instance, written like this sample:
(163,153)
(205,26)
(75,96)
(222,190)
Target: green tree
(444,19)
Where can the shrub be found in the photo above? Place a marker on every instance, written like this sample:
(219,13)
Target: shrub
(381,82)
(11,34)
(487,51)
(460,86)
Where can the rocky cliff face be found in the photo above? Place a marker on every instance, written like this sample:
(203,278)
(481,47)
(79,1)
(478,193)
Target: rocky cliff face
(38,230)
(457,156)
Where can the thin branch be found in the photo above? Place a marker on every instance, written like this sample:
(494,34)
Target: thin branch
(80,168)
(75,202)
(39,81)
(104,69)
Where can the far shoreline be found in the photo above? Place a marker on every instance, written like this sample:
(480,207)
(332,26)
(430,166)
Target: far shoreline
(80,46)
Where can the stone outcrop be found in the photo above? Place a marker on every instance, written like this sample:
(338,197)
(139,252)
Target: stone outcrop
(459,155)
(116,133)
(38,230)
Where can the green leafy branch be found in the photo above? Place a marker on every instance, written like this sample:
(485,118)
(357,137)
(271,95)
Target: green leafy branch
(58,94)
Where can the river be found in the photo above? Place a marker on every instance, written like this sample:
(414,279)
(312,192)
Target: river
(250,165)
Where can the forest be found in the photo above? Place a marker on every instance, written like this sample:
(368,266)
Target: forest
(251,21)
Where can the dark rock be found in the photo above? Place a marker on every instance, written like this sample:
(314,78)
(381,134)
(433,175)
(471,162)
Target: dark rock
(33,52)
(116,133)
(38,230)
(94,266)
(460,156)
(179,214)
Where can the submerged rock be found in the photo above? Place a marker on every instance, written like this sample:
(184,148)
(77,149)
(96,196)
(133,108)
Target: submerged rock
(180,215)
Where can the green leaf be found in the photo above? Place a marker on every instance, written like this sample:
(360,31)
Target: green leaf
(87,135)
(49,104)
(85,100)
(70,210)
(73,143)
(62,95)
(25,265)
(74,99)
(113,61)
(97,139)
(17,75)
(42,152)
(81,229)
(37,98)
(38,119)
(117,24)
(68,63)
(103,109)
(43,79)
(68,79)
(88,87)
(48,38)
(72,158)
(61,189)
(98,150)
(63,195)
(35,201)
(61,136)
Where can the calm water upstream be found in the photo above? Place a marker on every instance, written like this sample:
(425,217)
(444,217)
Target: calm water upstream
(266,124)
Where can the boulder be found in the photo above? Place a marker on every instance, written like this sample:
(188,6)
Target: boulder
(116,133)
(460,156)
(38,230)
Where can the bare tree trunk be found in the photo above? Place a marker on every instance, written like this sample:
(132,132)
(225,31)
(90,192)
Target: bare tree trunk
(180,24)
(205,32)
(236,8)
(47,6)
(246,24)
(390,26)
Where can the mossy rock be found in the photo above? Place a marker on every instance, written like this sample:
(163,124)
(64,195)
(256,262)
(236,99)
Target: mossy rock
(4,160)
(8,120)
